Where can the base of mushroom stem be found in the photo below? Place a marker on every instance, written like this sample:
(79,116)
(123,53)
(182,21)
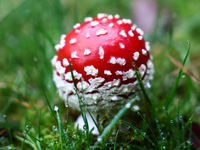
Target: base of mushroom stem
(131,116)
(81,124)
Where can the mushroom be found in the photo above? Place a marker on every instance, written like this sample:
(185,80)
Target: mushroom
(101,51)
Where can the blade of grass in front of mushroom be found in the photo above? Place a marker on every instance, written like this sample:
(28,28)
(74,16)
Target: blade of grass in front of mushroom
(83,98)
(47,100)
(138,130)
(114,120)
(60,129)
(144,92)
(178,78)
(89,111)
(80,106)
(141,84)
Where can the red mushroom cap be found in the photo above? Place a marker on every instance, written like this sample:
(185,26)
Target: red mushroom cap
(100,51)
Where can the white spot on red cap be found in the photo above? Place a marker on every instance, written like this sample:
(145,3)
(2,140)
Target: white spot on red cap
(101,52)
(133,27)
(113,60)
(144,52)
(101,32)
(62,42)
(62,37)
(94,23)
(138,30)
(119,22)
(96,81)
(65,62)
(53,60)
(130,33)
(59,68)
(115,82)
(87,52)
(88,19)
(126,21)
(111,25)
(140,37)
(120,61)
(142,70)
(128,74)
(149,64)
(90,70)
(74,54)
(136,56)
(118,72)
(101,15)
(72,41)
(77,31)
(57,47)
(77,75)
(82,85)
(122,33)
(110,17)
(77,25)
(87,35)
(147,46)
(122,45)
(117,16)
(68,75)
(104,20)
(107,72)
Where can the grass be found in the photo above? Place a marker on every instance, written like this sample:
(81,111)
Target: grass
(28,116)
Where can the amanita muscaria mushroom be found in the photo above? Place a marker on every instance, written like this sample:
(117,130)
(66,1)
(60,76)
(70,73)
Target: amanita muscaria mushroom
(100,51)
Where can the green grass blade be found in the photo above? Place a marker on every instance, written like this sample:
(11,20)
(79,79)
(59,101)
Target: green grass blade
(82,112)
(138,130)
(113,122)
(38,140)
(47,100)
(148,127)
(141,84)
(90,113)
(24,140)
(8,127)
(60,128)
(178,78)
(115,144)
(2,142)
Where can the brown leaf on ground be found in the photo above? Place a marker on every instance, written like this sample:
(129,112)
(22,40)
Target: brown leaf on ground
(184,68)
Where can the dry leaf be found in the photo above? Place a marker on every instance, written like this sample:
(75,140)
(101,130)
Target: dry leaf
(184,68)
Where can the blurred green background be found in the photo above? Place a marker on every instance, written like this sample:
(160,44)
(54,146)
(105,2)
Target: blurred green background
(29,29)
